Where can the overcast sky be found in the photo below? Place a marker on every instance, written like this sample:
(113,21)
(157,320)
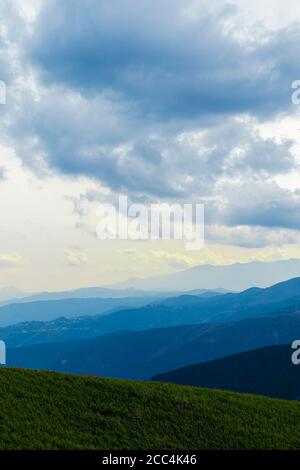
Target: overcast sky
(160,100)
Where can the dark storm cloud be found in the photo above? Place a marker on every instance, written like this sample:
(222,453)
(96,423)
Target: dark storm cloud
(169,64)
(157,102)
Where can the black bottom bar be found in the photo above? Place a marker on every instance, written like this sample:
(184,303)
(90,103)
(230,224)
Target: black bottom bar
(136,459)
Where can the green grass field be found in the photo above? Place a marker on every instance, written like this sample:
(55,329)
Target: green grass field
(42,410)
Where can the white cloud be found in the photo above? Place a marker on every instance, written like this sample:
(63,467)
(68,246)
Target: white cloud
(76,257)
(11,260)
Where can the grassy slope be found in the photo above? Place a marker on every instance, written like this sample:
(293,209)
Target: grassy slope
(41,410)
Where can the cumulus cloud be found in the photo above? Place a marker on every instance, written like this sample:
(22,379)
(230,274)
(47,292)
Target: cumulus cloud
(259,203)
(161,103)
(247,236)
(170,63)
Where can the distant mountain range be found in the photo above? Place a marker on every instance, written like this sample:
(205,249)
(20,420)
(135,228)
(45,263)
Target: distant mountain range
(167,334)
(138,313)
(234,277)
(99,293)
(196,280)
(11,295)
(268,371)
(162,313)
(52,309)
(27,310)
(143,354)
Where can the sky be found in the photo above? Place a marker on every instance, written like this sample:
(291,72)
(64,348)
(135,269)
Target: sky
(173,101)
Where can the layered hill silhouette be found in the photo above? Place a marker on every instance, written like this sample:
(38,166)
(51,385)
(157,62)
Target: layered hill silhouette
(49,411)
(267,371)
(175,311)
(281,299)
(68,308)
(11,295)
(140,355)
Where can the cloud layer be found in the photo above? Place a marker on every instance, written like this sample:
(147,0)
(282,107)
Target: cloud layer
(160,102)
